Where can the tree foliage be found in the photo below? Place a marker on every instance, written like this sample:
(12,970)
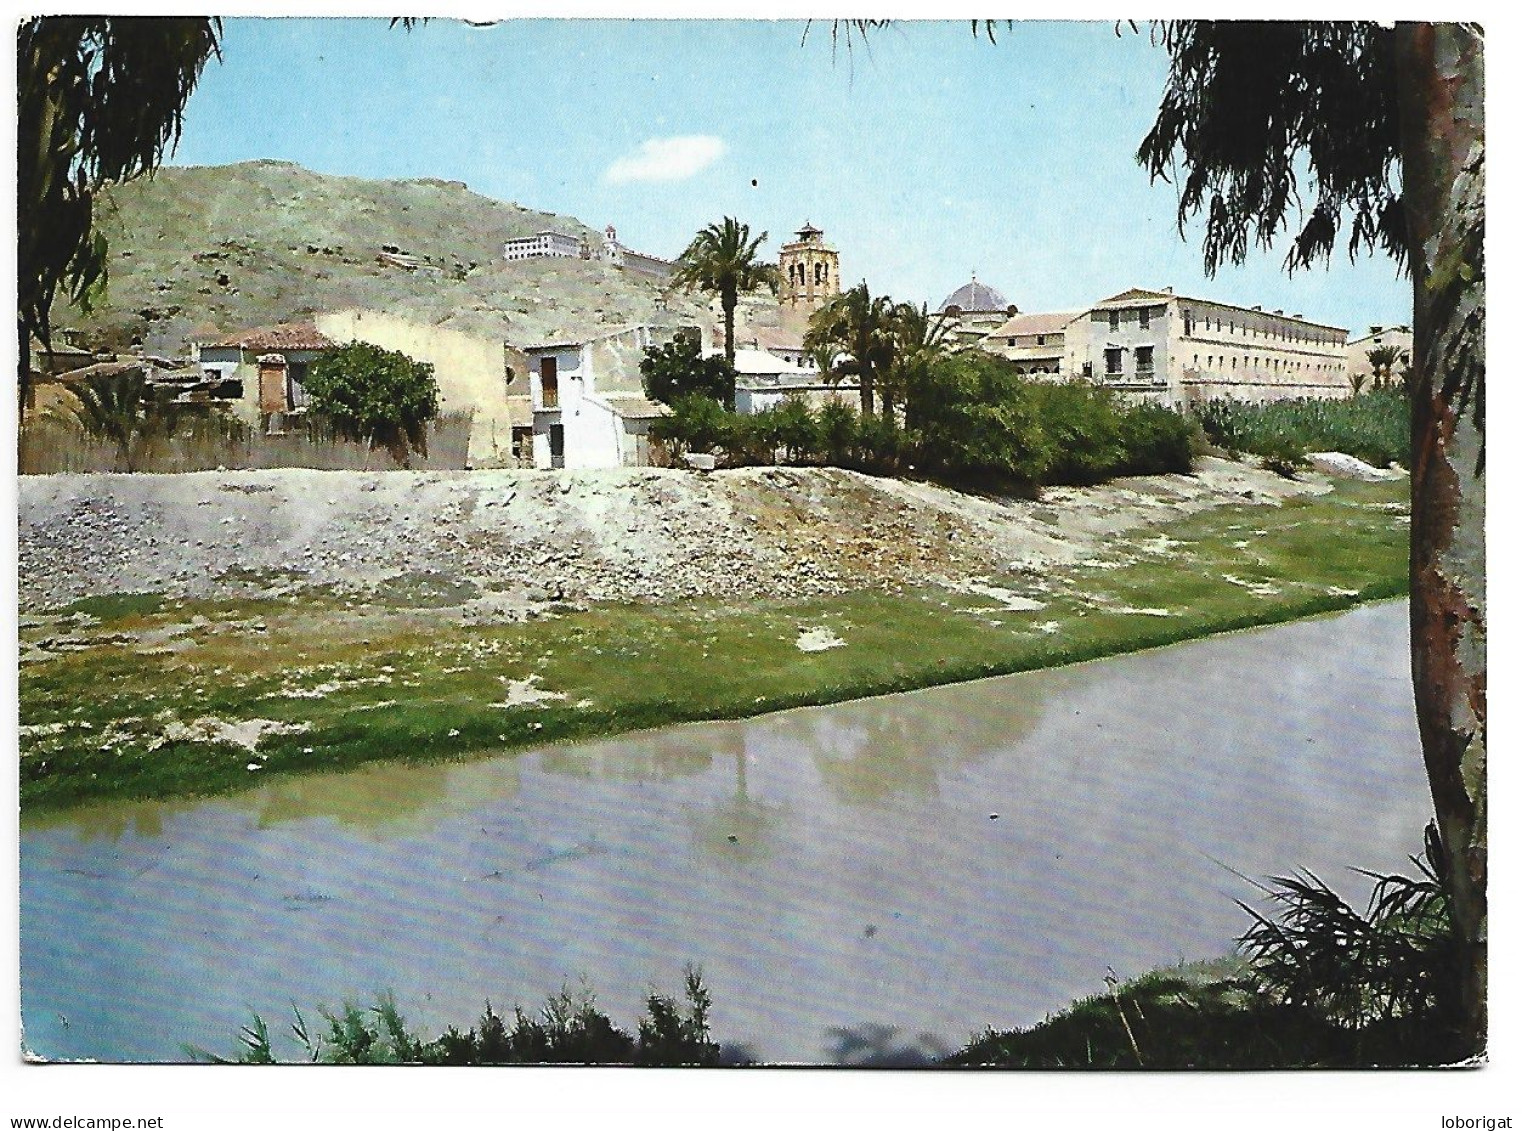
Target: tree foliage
(1276,122)
(723,259)
(679,369)
(99,101)
(861,326)
(380,396)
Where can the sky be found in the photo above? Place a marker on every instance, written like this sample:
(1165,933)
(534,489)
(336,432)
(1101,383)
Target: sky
(925,154)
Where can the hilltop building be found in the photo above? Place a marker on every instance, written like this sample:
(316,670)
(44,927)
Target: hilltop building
(541,245)
(630,260)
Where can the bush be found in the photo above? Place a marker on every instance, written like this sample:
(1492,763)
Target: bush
(1084,428)
(837,433)
(1374,427)
(696,424)
(798,431)
(568,1029)
(1158,441)
(678,369)
(380,396)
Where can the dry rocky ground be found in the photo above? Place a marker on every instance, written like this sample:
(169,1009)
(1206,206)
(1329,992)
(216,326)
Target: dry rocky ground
(504,545)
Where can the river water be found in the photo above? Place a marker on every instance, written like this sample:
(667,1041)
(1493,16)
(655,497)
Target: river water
(871,882)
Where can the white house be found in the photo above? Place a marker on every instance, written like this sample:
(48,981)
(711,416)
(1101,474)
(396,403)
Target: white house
(763,381)
(589,405)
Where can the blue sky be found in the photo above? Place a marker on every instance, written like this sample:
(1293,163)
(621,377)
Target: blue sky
(924,156)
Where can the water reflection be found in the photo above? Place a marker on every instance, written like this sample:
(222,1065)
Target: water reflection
(901,745)
(740,828)
(381,800)
(866,883)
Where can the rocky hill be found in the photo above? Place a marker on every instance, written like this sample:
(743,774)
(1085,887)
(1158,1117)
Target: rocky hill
(218,248)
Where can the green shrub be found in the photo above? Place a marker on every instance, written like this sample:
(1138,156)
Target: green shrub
(696,424)
(678,369)
(1374,427)
(1158,441)
(798,431)
(374,395)
(1084,429)
(568,1029)
(837,433)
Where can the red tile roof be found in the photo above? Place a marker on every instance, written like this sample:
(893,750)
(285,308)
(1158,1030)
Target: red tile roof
(286,336)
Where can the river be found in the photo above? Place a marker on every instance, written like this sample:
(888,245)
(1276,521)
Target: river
(869,882)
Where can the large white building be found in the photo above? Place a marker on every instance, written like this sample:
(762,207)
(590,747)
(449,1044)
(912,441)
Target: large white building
(1178,350)
(543,245)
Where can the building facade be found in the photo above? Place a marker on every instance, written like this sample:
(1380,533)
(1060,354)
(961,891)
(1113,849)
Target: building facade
(810,274)
(588,400)
(1038,344)
(263,371)
(1362,372)
(479,375)
(541,245)
(1176,350)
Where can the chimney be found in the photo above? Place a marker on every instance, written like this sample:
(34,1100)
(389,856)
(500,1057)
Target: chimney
(1376,329)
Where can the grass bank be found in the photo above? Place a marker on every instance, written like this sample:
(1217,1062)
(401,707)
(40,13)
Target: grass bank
(129,696)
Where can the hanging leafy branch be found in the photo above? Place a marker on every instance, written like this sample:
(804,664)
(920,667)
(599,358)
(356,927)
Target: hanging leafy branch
(99,101)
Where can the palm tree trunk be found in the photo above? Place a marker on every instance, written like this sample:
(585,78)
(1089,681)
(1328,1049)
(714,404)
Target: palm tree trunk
(729,346)
(1442,155)
(866,392)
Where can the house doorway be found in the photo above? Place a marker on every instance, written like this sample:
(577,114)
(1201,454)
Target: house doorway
(557,445)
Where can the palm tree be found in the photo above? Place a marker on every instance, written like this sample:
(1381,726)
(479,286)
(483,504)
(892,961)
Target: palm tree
(721,259)
(920,338)
(861,326)
(1382,361)
(116,407)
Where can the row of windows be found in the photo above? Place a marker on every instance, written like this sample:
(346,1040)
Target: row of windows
(797,273)
(1115,362)
(1277,364)
(1252,330)
(1143,318)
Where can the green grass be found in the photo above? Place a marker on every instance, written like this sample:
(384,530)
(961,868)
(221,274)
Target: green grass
(1205,1016)
(396,683)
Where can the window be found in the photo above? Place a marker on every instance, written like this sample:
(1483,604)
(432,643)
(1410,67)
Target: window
(523,444)
(1145,316)
(549,383)
(1189,328)
(1115,320)
(1144,359)
(1088,369)
(1112,362)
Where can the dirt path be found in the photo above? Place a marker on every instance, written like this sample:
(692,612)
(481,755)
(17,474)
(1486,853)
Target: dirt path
(499,545)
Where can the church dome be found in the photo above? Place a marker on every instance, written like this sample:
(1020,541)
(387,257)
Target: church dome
(975,298)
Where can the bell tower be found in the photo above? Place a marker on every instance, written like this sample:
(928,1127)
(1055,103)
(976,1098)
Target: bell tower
(810,274)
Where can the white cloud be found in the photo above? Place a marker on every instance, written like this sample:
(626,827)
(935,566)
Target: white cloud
(666,159)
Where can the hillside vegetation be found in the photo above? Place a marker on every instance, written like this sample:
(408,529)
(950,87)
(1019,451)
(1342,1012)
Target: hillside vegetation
(195,250)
